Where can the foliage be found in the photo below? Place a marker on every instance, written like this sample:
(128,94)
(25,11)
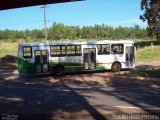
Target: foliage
(151,14)
(59,31)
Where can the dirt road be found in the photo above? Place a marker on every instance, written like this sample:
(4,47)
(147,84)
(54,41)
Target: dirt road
(93,96)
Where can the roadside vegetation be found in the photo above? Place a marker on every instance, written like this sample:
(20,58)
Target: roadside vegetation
(59,32)
(8,49)
(148,54)
(154,73)
(8,55)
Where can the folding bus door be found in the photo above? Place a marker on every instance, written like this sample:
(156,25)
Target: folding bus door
(130,56)
(41,61)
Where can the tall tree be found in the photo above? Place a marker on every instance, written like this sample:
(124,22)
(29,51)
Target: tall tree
(151,14)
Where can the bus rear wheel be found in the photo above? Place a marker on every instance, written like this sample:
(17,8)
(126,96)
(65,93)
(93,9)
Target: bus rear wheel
(116,67)
(58,70)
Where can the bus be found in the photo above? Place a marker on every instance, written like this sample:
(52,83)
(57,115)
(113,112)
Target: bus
(65,57)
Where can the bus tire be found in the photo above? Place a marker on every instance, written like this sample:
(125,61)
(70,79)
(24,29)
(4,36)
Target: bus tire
(116,67)
(58,70)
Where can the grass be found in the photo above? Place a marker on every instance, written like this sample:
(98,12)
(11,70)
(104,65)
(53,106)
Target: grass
(8,49)
(8,55)
(147,55)
(143,73)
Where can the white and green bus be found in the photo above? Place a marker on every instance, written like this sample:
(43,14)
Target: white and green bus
(66,57)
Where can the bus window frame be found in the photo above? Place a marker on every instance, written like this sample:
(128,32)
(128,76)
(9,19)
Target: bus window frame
(75,51)
(27,57)
(57,55)
(112,52)
(109,52)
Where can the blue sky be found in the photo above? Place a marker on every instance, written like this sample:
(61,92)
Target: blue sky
(90,12)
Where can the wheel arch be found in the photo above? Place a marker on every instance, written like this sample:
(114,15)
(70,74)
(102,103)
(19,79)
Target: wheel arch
(117,62)
(58,65)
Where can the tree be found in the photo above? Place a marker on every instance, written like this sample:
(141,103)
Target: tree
(59,31)
(151,15)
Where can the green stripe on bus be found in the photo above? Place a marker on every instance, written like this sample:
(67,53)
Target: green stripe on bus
(100,68)
(76,69)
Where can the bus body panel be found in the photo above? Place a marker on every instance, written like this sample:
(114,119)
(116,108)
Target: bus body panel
(70,63)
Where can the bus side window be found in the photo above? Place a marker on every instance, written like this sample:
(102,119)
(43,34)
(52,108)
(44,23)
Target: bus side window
(74,50)
(27,52)
(100,52)
(117,49)
(103,49)
(58,50)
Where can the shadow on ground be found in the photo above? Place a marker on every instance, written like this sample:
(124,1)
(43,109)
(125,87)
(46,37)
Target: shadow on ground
(67,97)
(40,99)
(8,62)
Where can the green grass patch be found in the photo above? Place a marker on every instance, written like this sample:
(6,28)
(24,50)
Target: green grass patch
(143,73)
(4,52)
(147,55)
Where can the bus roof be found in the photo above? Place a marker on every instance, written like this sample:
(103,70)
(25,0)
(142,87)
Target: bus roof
(77,42)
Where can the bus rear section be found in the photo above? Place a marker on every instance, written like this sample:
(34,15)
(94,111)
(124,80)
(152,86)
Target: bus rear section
(33,59)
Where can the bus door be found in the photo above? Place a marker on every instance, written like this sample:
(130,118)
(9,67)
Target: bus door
(89,59)
(41,61)
(129,56)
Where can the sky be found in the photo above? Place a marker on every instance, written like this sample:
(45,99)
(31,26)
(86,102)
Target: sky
(114,13)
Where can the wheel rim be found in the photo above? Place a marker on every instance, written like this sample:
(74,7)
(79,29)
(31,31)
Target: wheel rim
(116,67)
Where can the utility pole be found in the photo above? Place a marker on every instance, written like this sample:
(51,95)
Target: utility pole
(44,15)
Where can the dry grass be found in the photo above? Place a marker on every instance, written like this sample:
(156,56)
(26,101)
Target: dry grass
(147,55)
(8,49)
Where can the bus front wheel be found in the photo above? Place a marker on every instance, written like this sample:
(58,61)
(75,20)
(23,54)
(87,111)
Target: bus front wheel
(58,70)
(116,67)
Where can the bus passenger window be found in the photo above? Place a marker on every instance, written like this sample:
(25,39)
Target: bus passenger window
(58,50)
(100,52)
(103,49)
(74,50)
(117,49)
(27,52)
